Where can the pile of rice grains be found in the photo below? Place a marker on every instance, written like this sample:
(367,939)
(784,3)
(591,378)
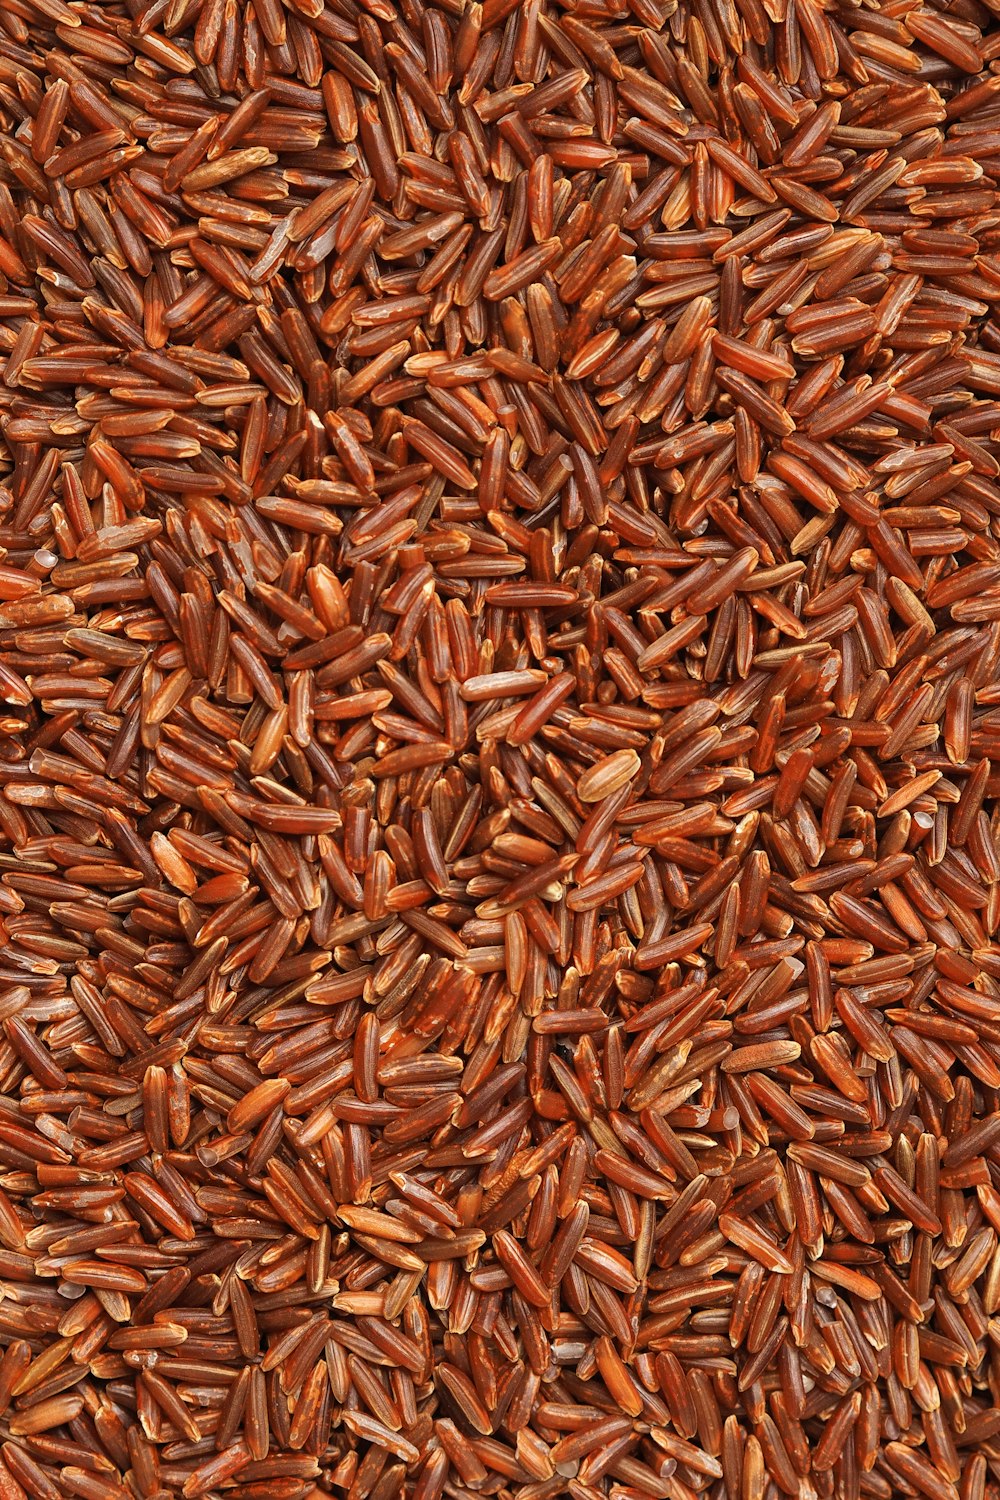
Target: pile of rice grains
(500,671)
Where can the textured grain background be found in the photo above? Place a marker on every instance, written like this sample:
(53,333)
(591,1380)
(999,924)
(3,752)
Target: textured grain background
(500,670)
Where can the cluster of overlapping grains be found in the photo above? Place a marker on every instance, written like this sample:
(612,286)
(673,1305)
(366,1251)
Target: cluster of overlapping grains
(500,671)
